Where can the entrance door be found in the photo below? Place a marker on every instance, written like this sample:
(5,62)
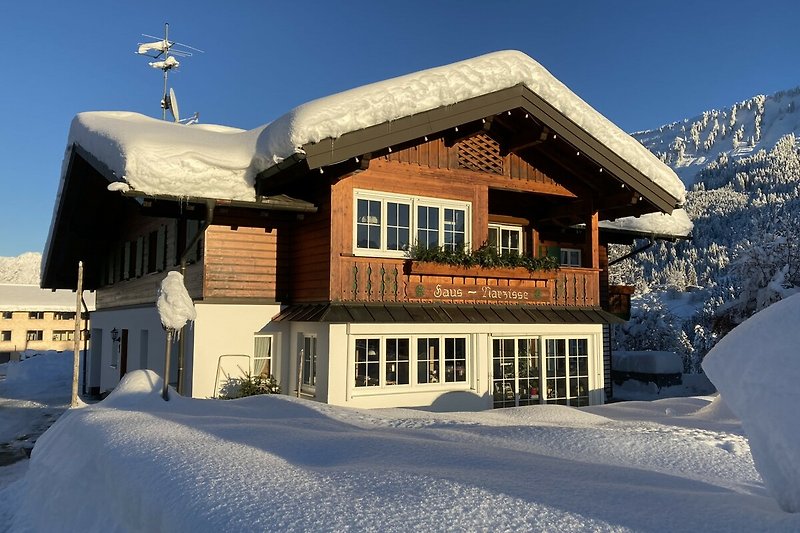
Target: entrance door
(123,353)
(515,371)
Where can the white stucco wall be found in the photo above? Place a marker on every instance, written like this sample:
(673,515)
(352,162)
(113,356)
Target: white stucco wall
(151,347)
(223,329)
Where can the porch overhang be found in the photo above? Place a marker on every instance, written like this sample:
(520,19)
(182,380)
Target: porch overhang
(443,314)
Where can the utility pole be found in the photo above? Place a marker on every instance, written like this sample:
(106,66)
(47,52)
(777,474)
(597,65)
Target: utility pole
(76,341)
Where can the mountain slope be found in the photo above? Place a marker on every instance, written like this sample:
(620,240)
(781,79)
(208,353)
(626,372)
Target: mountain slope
(744,201)
(741,130)
(23,269)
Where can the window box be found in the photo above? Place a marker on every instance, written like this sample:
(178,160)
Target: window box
(426,268)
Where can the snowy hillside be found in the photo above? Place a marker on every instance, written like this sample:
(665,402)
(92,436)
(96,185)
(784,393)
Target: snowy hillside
(23,269)
(741,130)
(744,165)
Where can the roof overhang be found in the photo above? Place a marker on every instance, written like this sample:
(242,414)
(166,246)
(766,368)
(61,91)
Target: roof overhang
(87,215)
(413,129)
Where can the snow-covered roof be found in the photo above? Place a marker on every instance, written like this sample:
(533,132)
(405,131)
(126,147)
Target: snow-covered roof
(32,298)
(159,157)
(676,225)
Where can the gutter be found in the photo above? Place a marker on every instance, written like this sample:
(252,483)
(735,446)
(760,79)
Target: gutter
(210,204)
(650,242)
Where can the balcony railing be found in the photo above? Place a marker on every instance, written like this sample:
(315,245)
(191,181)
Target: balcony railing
(365,279)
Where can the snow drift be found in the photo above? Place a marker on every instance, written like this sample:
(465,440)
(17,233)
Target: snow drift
(756,368)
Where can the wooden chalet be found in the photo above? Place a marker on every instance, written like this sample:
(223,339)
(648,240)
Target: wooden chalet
(312,280)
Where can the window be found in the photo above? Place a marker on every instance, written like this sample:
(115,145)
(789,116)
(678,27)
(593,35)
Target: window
(427,360)
(368,362)
(389,224)
(403,366)
(455,360)
(515,371)
(505,239)
(63,316)
(521,377)
(397,362)
(262,355)
(63,335)
(571,257)
(567,371)
(310,361)
(7,315)
(368,224)
(36,315)
(5,336)
(34,335)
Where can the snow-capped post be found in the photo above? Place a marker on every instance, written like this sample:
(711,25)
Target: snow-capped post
(77,338)
(175,308)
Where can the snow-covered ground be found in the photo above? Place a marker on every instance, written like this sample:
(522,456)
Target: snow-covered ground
(136,463)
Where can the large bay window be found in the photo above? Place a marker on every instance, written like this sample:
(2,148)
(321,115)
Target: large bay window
(389,224)
(390,362)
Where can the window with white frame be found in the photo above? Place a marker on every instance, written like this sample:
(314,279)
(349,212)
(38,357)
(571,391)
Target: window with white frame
(309,361)
(567,371)
(571,257)
(389,224)
(36,315)
(5,336)
(34,335)
(390,362)
(262,355)
(505,239)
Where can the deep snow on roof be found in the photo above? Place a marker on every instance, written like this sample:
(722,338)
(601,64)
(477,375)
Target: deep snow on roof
(32,298)
(676,224)
(158,157)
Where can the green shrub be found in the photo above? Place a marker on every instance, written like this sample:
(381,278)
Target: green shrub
(249,385)
(485,257)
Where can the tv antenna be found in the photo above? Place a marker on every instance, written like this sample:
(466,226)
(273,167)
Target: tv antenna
(164,52)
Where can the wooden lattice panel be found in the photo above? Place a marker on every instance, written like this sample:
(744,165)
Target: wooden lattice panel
(481,153)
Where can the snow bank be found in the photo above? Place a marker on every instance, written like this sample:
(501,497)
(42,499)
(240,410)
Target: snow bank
(273,463)
(49,366)
(159,157)
(175,307)
(647,362)
(756,368)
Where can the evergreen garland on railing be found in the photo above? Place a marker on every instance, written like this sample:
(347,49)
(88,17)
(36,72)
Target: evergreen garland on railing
(485,257)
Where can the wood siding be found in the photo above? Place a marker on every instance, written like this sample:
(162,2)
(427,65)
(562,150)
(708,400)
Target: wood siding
(144,290)
(311,268)
(133,279)
(516,174)
(245,263)
(366,279)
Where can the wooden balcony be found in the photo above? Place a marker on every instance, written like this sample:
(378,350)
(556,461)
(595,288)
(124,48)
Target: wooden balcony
(369,279)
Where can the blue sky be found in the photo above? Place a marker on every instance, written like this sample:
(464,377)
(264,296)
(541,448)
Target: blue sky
(641,64)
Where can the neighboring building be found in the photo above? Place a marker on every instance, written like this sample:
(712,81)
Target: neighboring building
(295,240)
(32,318)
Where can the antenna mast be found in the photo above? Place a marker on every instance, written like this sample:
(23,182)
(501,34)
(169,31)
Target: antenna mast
(166,68)
(165,51)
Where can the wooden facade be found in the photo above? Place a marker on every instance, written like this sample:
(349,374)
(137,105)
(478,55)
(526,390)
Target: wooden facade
(312,259)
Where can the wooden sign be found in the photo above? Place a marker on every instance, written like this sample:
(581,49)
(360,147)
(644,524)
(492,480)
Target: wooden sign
(478,293)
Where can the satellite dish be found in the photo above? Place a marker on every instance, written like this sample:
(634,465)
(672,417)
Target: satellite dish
(173,105)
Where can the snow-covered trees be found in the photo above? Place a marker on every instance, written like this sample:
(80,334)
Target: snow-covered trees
(745,254)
